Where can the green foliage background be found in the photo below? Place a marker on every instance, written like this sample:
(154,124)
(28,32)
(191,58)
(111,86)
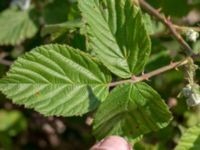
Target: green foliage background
(58,21)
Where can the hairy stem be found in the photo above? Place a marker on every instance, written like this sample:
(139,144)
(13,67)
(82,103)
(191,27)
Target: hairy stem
(168,23)
(146,76)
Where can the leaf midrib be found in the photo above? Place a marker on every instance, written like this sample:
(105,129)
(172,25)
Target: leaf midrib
(69,84)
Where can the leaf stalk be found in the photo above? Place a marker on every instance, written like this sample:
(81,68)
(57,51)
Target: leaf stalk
(135,79)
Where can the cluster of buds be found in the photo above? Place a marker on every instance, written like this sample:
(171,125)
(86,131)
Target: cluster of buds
(192,35)
(192,90)
(192,93)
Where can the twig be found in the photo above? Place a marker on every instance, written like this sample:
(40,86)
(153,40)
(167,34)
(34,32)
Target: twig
(168,23)
(179,29)
(183,28)
(151,74)
(3,61)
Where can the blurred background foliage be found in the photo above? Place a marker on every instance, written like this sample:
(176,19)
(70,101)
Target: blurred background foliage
(59,21)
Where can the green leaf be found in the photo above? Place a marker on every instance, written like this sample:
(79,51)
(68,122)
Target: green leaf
(56,11)
(16,26)
(196,47)
(57,80)
(131,110)
(190,139)
(61,30)
(117,34)
(61,27)
(12,122)
(152,26)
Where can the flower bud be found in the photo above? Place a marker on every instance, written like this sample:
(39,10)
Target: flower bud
(192,93)
(193,100)
(192,35)
(187,91)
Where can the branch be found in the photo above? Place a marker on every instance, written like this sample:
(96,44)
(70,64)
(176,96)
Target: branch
(146,76)
(168,23)
(3,61)
(183,28)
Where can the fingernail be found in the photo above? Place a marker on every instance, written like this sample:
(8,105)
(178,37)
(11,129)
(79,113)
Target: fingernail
(112,143)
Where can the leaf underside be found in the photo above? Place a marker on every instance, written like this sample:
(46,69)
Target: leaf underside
(117,34)
(57,80)
(16,26)
(131,110)
(190,139)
